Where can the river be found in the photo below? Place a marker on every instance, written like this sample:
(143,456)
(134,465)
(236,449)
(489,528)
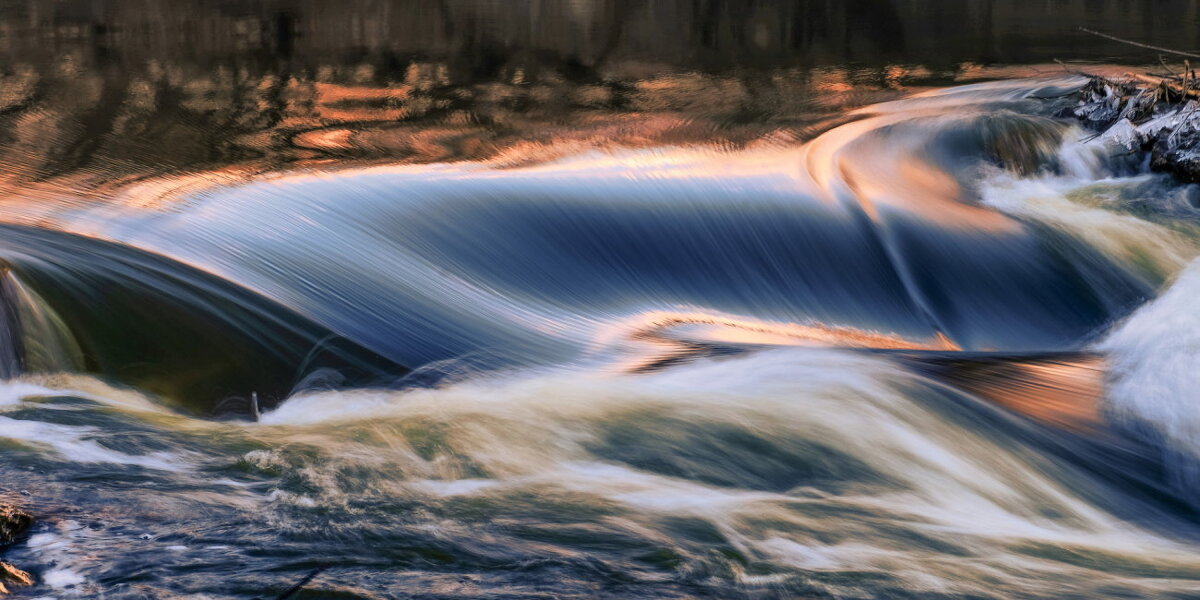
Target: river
(591,299)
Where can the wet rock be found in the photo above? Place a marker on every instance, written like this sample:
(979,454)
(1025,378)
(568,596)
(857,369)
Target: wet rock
(1125,134)
(1102,103)
(1180,159)
(13,522)
(1097,115)
(12,578)
(1140,119)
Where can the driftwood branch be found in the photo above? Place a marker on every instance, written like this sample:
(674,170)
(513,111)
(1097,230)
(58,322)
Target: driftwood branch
(1139,44)
(1178,88)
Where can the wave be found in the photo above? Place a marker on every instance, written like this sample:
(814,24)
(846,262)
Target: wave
(795,470)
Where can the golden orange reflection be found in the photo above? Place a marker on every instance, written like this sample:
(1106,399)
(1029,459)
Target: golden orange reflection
(1065,392)
(167,120)
(660,338)
(847,165)
(178,128)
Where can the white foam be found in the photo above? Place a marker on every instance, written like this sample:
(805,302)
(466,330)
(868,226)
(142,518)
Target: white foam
(14,391)
(457,487)
(60,385)
(1154,365)
(61,578)
(534,431)
(60,548)
(74,443)
(1087,210)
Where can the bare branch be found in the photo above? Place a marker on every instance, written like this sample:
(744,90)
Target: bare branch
(1138,44)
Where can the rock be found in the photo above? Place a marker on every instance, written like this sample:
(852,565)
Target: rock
(12,577)
(1182,162)
(1103,102)
(1123,133)
(13,522)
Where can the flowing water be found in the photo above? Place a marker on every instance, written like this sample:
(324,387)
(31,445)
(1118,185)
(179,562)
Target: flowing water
(610,325)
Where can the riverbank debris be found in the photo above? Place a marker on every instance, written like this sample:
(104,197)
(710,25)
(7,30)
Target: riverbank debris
(1154,114)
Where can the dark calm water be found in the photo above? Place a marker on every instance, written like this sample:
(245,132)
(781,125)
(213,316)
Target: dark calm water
(591,298)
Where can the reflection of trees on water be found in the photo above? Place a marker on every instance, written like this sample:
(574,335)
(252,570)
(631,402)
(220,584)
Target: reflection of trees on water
(481,35)
(84,118)
(110,90)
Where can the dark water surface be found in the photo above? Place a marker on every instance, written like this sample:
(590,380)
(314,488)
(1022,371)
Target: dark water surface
(591,298)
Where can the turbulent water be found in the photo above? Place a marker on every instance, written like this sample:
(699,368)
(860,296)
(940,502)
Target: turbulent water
(942,350)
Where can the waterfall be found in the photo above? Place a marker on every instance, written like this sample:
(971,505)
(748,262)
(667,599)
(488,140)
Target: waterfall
(33,338)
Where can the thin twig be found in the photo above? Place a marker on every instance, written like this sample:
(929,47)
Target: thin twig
(1183,120)
(1068,69)
(1165,66)
(1138,44)
(303,582)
